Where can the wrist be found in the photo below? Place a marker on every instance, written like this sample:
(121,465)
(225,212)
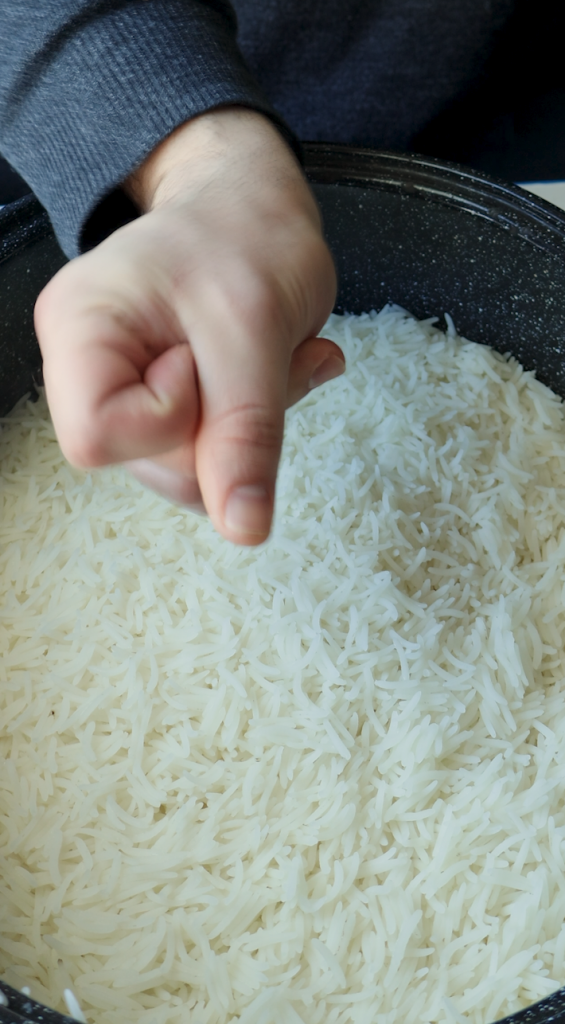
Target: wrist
(216,141)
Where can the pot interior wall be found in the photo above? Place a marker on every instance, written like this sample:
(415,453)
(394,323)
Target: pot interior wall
(433,238)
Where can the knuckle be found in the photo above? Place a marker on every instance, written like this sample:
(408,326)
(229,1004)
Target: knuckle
(85,447)
(251,426)
(47,304)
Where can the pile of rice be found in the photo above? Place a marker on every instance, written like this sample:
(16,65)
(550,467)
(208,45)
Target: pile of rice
(322,781)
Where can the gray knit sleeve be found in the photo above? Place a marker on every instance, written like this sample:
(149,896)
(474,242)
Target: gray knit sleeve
(89,87)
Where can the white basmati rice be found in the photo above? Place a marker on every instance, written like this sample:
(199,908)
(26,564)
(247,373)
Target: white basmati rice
(73,1006)
(318,782)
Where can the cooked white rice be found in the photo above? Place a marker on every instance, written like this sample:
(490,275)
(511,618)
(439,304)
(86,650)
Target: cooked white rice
(318,782)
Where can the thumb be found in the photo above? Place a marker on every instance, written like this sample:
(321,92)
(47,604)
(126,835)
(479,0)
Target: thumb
(239,439)
(240,435)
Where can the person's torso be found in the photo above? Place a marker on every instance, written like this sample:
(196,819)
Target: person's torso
(370,72)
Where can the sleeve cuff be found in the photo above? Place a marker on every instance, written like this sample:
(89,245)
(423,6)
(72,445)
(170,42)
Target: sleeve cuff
(121,81)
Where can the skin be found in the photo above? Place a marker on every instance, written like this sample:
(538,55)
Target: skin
(177,344)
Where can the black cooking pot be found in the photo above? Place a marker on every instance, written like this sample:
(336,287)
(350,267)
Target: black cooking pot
(432,237)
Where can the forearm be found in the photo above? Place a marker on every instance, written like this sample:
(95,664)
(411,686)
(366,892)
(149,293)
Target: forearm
(86,95)
(208,149)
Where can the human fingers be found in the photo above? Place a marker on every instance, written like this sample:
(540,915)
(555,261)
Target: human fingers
(314,362)
(120,378)
(173,474)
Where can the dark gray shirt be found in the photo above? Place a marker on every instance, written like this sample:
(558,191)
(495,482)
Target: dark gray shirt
(89,87)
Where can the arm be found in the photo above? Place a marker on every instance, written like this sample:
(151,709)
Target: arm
(175,344)
(88,88)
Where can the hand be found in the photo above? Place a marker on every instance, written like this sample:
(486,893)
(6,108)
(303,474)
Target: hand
(176,345)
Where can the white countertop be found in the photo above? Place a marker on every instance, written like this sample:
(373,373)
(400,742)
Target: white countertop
(553,191)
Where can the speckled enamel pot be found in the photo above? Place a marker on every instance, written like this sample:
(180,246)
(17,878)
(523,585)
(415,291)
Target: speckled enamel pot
(438,238)
(433,237)
(430,236)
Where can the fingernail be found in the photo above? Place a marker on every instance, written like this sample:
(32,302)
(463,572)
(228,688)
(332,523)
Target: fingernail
(249,511)
(330,368)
